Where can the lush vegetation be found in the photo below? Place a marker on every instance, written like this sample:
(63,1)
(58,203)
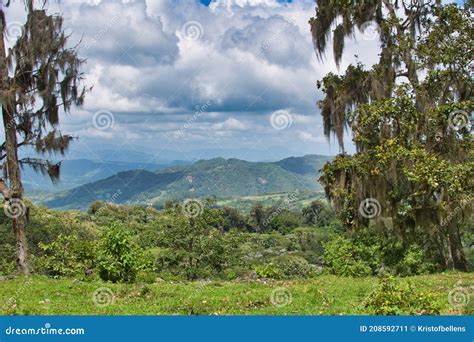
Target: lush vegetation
(172,252)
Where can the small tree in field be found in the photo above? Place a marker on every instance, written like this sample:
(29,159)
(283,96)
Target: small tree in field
(39,77)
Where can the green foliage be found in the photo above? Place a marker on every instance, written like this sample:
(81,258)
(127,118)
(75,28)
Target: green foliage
(194,246)
(268,271)
(119,256)
(342,257)
(7,259)
(393,297)
(413,262)
(409,115)
(286,267)
(65,256)
(318,213)
(292,266)
(282,220)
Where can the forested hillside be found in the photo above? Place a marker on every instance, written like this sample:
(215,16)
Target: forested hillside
(217,177)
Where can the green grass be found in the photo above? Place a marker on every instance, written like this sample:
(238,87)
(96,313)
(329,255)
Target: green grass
(325,295)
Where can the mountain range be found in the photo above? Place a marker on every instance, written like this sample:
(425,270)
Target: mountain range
(218,177)
(78,172)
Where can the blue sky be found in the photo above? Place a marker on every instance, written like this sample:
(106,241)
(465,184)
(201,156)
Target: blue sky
(236,77)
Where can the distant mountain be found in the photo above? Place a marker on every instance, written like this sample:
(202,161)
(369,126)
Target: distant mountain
(218,177)
(78,172)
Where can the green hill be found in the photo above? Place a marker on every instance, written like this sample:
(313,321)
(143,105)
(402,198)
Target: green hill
(219,177)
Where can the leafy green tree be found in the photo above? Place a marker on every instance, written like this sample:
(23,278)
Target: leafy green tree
(317,213)
(195,245)
(39,77)
(409,115)
(283,220)
(233,219)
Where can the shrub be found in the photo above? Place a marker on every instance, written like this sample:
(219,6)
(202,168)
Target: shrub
(65,256)
(120,258)
(392,297)
(268,271)
(343,257)
(295,267)
(413,262)
(287,267)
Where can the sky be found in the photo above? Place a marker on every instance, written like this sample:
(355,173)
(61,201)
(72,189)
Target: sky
(191,80)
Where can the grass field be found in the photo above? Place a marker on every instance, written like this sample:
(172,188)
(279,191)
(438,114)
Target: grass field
(325,295)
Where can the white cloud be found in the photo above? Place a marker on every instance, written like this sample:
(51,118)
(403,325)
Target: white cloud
(306,136)
(230,124)
(252,58)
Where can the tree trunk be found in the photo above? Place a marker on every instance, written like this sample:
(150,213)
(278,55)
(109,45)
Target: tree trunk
(15,193)
(456,249)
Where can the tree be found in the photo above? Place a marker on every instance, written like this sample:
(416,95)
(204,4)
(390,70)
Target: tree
(193,242)
(39,76)
(409,116)
(258,217)
(317,213)
(233,219)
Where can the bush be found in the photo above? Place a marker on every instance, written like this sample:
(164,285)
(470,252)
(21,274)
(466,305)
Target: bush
(120,258)
(296,267)
(413,262)
(287,267)
(65,256)
(392,297)
(343,257)
(268,271)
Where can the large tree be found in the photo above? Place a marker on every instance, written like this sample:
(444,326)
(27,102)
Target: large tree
(39,77)
(409,113)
